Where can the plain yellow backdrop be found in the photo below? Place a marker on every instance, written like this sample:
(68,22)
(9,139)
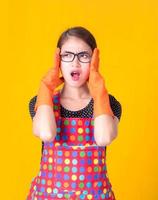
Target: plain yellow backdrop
(127,36)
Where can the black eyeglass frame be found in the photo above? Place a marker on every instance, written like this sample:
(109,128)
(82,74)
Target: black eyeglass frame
(76,54)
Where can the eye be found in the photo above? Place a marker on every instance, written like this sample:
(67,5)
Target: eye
(84,55)
(67,55)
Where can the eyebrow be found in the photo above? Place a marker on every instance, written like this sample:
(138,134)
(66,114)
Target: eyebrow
(73,52)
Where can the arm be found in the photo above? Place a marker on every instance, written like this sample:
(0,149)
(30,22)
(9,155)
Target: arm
(105,127)
(105,122)
(44,124)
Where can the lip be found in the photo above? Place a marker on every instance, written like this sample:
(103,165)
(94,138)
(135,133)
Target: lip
(76,70)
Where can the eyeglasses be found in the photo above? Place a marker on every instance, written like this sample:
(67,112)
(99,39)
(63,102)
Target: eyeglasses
(83,57)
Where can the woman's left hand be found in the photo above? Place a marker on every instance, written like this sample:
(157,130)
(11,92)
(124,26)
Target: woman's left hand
(96,82)
(96,85)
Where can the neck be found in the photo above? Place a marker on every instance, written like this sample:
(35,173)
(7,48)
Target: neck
(75,92)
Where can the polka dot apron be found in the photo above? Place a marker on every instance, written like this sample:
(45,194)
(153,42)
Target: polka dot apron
(72,167)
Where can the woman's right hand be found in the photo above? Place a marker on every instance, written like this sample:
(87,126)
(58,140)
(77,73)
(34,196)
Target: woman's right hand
(52,79)
(49,82)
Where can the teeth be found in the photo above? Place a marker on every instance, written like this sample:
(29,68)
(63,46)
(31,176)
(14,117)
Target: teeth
(72,73)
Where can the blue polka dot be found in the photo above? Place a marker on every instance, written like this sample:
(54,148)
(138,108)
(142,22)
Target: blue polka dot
(82,196)
(82,161)
(51,144)
(60,195)
(71,192)
(87,123)
(44,159)
(99,153)
(99,191)
(103,196)
(87,130)
(42,189)
(93,139)
(89,153)
(85,192)
(59,153)
(73,122)
(89,177)
(87,137)
(50,175)
(96,196)
(89,161)
(74,169)
(107,195)
(65,130)
(74,161)
(57,137)
(82,169)
(43,174)
(58,184)
(81,177)
(73,185)
(58,130)
(72,130)
(43,181)
(45,152)
(59,160)
(92,191)
(66,177)
(65,137)
(89,184)
(58,175)
(56,99)
(74,153)
(99,184)
(96,176)
(59,122)
(55,190)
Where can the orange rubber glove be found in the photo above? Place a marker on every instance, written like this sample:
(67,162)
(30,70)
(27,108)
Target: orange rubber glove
(49,82)
(98,91)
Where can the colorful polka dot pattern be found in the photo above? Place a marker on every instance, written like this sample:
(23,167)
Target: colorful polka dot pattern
(72,166)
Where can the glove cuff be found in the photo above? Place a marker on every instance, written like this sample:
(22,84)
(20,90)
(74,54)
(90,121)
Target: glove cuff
(102,105)
(44,96)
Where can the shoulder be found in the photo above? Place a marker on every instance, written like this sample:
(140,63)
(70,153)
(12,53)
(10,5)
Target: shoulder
(32,102)
(116,106)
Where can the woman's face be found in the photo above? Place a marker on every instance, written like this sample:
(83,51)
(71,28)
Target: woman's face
(75,72)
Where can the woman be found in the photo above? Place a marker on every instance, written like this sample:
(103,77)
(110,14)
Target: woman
(75,123)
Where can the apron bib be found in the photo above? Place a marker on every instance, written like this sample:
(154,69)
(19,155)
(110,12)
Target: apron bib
(72,166)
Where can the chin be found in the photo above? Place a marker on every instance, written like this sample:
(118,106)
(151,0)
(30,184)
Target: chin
(76,85)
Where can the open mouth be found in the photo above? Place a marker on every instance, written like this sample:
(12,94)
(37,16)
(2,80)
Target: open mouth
(75,75)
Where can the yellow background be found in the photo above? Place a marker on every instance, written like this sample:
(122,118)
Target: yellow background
(127,36)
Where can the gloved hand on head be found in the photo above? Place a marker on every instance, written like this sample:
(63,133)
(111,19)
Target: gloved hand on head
(97,88)
(49,83)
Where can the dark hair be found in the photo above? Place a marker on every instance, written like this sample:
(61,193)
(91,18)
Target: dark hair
(78,32)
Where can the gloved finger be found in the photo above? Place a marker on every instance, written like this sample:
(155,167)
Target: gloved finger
(94,65)
(57,60)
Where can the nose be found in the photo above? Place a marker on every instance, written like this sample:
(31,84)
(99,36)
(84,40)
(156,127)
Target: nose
(76,62)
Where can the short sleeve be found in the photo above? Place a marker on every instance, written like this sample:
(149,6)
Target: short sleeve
(115,106)
(32,114)
(32,106)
